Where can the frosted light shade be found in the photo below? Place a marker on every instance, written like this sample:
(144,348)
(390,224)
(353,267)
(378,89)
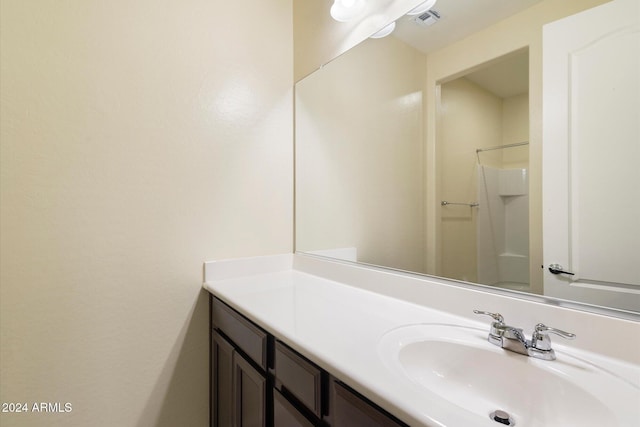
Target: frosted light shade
(422,7)
(385,31)
(346,10)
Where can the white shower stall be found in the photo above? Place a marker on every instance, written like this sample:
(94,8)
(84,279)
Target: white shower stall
(503,227)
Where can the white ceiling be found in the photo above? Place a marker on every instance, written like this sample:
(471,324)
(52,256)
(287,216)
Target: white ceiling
(505,77)
(459,18)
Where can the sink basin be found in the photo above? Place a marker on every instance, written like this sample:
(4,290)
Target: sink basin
(457,364)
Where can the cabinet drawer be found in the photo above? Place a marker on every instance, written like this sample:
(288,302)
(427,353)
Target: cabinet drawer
(286,415)
(244,334)
(299,377)
(351,410)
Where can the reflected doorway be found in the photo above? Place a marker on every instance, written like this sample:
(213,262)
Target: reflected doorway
(482,181)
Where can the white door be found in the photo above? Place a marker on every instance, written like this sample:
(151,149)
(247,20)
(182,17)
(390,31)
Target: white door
(591,156)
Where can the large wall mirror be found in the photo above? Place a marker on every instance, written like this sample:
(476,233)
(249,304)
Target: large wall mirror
(430,150)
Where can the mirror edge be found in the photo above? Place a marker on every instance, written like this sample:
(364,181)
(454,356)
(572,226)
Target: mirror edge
(556,302)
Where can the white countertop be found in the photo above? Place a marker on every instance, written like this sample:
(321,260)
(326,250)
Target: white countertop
(339,327)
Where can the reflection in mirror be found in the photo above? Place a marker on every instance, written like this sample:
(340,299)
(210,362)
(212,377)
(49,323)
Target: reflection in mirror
(319,37)
(360,175)
(482,143)
(392,135)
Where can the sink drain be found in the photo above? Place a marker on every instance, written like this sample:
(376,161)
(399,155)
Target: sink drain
(502,417)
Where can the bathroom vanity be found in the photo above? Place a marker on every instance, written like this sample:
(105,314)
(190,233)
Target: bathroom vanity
(298,340)
(256,378)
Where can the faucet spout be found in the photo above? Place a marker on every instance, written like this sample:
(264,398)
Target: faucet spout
(513,339)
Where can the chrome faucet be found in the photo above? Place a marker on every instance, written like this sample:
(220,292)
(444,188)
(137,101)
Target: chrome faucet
(513,339)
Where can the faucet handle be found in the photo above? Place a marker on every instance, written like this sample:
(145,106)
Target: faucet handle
(540,338)
(544,328)
(495,331)
(496,316)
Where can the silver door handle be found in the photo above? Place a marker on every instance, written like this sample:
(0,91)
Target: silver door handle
(558,269)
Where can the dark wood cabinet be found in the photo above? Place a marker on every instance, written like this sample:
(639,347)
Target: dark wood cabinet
(240,394)
(257,381)
(247,337)
(250,394)
(286,414)
(238,390)
(349,409)
(222,402)
(300,378)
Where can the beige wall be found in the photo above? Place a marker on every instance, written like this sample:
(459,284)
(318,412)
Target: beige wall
(138,140)
(515,128)
(359,175)
(519,31)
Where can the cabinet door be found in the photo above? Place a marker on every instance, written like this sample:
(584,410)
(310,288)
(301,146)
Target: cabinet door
(351,410)
(250,392)
(221,381)
(243,333)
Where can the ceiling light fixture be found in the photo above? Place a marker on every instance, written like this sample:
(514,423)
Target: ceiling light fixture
(346,10)
(422,7)
(385,31)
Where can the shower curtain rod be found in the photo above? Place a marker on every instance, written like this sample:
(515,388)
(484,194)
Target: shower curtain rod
(472,205)
(499,147)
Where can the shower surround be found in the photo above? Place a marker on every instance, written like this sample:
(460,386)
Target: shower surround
(503,227)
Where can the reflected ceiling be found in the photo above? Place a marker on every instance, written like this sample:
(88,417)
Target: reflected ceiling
(459,19)
(506,77)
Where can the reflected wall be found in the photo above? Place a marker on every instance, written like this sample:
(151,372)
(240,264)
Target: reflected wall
(359,175)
